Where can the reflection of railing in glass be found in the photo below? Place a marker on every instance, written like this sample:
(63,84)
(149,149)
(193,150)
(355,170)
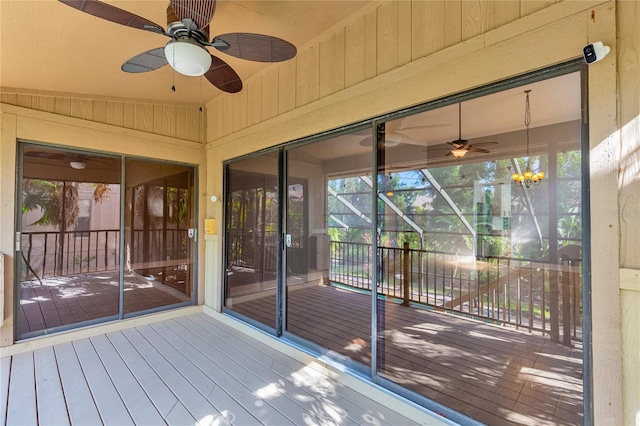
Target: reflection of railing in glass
(164,244)
(97,250)
(84,251)
(532,294)
(250,250)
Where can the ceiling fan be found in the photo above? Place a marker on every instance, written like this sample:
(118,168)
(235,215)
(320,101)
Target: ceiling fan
(462,146)
(76,161)
(186,52)
(390,137)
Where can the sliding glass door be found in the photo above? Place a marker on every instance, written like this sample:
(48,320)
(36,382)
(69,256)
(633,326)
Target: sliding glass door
(69,254)
(252,238)
(438,251)
(159,229)
(321,247)
(76,266)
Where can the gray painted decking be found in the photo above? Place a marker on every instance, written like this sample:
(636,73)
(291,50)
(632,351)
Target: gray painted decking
(187,370)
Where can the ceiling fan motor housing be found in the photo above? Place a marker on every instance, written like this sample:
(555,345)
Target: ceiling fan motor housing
(186,53)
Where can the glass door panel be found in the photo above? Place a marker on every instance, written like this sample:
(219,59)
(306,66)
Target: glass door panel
(70,250)
(476,272)
(159,236)
(252,229)
(328,256)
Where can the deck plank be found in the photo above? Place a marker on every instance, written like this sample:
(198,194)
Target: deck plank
(108,401)
(52,408)
(80,404)
(21,408)
(185,366)
(134,397)
(294,371)
(179,416)
(229,391)
(5,371)
(182,351)
(197,404)
(317,393)
(267,411)
(158,392)
(296,405)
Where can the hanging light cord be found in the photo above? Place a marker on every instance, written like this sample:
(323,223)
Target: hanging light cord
(527,119)
(459,120)
(528,178)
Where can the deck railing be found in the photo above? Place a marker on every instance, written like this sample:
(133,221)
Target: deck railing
(526,293)
(50,254)
(54,254)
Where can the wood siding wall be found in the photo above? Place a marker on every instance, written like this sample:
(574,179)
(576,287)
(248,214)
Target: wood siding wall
(386,37)
(181,122)
(628,16)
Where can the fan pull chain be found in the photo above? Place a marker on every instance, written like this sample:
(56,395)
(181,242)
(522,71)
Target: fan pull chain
(201,77)
(173,73)
(527,119)
(203,128)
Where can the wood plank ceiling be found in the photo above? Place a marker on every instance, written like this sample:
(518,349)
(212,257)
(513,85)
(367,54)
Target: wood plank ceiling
(49,47)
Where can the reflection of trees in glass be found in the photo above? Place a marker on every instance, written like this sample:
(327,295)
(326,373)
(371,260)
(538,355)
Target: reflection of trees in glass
(296,218)
(570,196)
(414,195)
(358,194)
(177,200)
(47,195)
(251,224)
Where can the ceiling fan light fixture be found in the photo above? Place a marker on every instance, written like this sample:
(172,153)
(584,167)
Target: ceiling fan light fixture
(187,57)
(458,152)
(78,165)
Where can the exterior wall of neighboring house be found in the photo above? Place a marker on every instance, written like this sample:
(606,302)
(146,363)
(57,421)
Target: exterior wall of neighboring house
(398,54)
(390,56)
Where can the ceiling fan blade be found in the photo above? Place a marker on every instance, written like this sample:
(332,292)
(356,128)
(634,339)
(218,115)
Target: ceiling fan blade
(474,149)
(113,14)
(45,154)
(432,149)
(425,126)
(222,76)
(199,11)
(146,61)
(484,143)
(256,47)
(460,143)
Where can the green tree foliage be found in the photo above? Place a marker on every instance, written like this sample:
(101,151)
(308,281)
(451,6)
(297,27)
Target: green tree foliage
(467,185)
(47,195)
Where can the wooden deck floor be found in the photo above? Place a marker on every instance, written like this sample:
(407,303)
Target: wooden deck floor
(188,370)
(493,374)
(71,299)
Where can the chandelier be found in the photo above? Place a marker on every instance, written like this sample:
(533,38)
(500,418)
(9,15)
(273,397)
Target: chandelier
(528,178)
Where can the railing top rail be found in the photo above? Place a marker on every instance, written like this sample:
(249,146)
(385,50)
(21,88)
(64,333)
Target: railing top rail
(69,232)
(452,254)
